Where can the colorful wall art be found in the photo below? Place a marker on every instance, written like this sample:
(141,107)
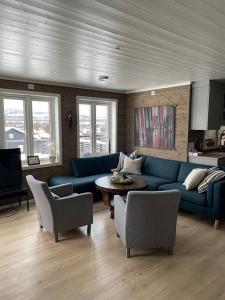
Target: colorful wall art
(155,127)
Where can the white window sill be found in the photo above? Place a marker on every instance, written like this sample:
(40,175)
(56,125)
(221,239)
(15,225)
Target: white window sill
(42,165)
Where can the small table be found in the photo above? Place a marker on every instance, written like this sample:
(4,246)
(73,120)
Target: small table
(109,189)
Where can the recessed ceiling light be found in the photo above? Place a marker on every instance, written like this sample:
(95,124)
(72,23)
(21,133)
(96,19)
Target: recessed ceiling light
(103,78)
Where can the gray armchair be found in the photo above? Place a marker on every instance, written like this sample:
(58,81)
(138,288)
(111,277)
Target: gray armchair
(147,219)
(59,209)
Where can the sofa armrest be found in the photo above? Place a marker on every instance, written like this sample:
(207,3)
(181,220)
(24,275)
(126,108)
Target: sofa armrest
(210,192)
(62,189)
(219,199)
(74,199)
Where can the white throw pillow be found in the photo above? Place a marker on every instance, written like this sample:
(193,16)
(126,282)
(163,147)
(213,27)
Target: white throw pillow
(194,178)
(133,155)
(132,165)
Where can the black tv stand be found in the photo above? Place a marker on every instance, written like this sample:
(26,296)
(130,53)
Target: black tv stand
(14,193)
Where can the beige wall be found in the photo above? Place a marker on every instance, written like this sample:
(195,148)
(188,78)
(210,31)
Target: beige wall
(175,95)
(69,136)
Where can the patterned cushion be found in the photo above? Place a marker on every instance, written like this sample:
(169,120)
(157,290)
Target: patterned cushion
(212,176)
(133,155)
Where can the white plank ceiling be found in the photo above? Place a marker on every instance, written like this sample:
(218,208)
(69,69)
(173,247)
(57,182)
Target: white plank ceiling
(139,44)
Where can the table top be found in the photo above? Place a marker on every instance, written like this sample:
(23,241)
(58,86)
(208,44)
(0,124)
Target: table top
(105,185)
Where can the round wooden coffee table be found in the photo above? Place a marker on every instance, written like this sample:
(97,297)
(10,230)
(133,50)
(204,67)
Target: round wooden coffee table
(109,189)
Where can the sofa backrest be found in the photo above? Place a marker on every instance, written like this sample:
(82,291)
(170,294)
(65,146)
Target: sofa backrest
(186,168)
(161,167)
(111,161)
(86,166)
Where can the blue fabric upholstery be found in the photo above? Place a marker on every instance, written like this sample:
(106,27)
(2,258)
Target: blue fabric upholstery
(186,168)
(160,167)
(87,166)
(154,181)
(189,196)
(110,161)
(161,174)
(80,185)
(192,207)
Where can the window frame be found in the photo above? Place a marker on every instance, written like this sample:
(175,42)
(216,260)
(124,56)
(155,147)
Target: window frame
(93,101)
(54,110)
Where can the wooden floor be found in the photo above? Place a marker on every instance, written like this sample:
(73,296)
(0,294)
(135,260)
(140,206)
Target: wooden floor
(33,266)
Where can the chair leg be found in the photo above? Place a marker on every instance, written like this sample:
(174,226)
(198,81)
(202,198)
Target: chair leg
(216,224)
(89,229)
(28,206)
(56,237)
(41,226)
(170,250)
(127,252)
(117,234)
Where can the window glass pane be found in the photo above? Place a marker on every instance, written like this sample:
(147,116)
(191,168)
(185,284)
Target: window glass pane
(85,130)
(42,136)
(15,134)
(102,129)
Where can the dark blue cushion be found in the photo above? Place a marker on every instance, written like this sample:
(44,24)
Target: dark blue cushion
(160,167)
(111,161)
(186,168)
(190,196)
(80,185)
(154,181)
(87,166)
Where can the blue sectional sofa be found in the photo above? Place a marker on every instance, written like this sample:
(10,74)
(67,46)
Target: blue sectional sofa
(162,174)
(84,172)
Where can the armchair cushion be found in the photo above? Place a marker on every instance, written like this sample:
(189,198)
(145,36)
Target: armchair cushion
(62,190)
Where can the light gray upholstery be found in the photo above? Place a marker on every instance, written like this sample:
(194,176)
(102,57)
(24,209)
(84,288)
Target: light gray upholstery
(147,219)
(58,215)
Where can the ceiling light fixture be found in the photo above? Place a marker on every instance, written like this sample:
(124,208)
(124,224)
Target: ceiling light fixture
(103,78)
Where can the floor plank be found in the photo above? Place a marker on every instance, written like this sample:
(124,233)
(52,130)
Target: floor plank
(33,266)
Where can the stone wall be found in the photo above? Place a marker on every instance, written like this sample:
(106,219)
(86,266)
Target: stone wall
(179,96)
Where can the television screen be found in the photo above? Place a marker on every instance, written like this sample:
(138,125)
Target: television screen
(10,168)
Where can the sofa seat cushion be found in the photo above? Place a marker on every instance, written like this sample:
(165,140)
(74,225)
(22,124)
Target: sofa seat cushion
(189,196)
(154,181)
(80,185)
(160,167)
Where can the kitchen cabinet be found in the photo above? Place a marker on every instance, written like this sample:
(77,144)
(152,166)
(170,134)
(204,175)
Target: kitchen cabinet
(207,105)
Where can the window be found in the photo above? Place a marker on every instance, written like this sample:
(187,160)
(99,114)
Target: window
(30,121)
(97,126)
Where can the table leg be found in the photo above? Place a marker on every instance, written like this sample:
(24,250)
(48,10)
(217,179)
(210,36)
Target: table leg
(106,198)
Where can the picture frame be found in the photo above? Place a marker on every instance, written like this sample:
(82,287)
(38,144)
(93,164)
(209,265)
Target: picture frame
(154,127)
(33,160)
